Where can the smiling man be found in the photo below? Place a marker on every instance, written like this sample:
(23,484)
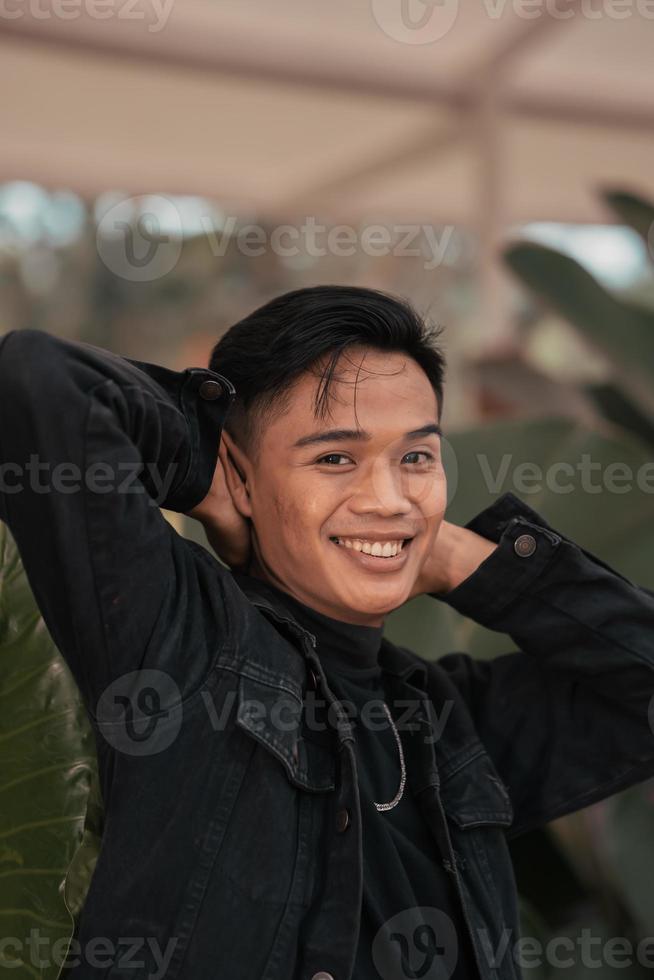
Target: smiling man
(332,486)
(343,517)
(347,514)
(289,795)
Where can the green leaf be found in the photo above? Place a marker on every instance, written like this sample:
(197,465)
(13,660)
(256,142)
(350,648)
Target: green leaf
(621,329)
(48,756)
(616,406)
(634,211)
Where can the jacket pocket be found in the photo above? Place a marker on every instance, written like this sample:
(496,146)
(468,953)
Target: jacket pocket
(274,717)
(473,794)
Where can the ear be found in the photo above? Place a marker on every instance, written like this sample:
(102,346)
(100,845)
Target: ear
(236,467)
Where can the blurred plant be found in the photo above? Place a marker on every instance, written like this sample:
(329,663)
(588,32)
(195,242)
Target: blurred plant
(601,406)
(48,762)
(618,325)
(612,843)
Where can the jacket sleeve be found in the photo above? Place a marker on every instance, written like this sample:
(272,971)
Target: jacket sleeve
(567,718)
(91,446)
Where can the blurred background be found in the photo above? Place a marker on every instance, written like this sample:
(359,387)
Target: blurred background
(168,165)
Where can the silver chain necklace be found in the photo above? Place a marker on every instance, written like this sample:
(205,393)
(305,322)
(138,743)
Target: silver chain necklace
(398,796)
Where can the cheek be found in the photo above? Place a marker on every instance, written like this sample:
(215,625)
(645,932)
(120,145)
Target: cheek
(292,514)
(289,521)
(429,494)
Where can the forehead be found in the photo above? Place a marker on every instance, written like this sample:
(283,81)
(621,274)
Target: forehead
(374,390)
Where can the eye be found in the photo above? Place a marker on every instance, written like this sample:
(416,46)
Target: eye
(428,456)
(332,456)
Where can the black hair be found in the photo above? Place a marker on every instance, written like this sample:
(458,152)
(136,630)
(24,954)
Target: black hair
(267,351)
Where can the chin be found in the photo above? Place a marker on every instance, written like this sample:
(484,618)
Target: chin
(379,605)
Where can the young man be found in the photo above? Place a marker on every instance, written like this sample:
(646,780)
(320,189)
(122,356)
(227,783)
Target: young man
(289,796)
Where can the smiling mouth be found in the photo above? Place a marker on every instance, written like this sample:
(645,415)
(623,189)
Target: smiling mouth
(384,550)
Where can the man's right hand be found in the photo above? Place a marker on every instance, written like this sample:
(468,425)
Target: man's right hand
(228,532)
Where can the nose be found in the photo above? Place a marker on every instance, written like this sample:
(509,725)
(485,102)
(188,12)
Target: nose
(380,489)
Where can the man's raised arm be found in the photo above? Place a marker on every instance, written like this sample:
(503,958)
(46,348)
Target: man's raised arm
(91,445)
(567,719)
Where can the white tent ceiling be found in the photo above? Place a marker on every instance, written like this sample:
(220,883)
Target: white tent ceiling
(518,112)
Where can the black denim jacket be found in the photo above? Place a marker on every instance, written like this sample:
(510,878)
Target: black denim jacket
(232,843)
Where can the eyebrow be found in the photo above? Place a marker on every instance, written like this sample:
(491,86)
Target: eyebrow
(360,435)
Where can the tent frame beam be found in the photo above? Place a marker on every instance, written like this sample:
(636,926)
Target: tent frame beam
(190,49)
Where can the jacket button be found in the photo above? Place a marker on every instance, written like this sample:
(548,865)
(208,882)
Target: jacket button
(524,545)
(322,976)
(342,820)
(210,390)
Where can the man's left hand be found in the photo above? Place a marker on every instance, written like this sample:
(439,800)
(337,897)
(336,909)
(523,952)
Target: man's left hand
(457,553)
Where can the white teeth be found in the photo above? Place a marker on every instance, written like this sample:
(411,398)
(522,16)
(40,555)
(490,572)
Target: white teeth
(378,549)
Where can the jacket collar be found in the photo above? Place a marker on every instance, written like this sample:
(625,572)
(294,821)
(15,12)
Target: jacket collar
(405,664)
(395,660)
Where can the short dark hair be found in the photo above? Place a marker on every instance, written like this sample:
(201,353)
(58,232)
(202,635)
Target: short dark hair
(267,351)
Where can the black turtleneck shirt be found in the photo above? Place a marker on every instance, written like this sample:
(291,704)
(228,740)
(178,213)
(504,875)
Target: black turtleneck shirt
(403,877)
